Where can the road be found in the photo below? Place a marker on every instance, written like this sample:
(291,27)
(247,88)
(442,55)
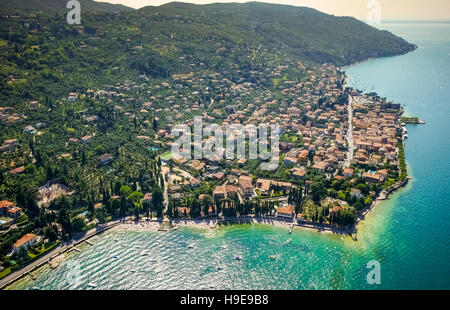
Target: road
(350,141)
(53,253)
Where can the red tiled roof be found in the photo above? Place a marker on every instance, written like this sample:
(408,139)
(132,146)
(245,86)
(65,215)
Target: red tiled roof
(24,240)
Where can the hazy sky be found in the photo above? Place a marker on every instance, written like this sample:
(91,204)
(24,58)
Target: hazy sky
(390,9)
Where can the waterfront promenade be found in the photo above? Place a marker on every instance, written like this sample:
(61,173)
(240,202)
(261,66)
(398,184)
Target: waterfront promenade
(47,257)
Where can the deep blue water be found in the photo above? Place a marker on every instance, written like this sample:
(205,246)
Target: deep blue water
(421,82)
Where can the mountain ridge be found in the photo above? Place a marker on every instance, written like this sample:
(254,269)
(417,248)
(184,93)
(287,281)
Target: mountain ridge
(59,6)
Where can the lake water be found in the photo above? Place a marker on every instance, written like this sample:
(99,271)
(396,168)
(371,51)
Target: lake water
(408,234)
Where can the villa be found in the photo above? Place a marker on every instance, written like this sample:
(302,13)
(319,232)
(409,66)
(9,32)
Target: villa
(25,242)
(286,212)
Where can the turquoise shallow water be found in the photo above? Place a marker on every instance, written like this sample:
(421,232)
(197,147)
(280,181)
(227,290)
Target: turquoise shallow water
(408,234)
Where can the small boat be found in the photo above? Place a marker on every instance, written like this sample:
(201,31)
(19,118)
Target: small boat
(35,288)
(115,256)
(190,246)
(90,284)
(237,258)
(289,241)
(273,257)
(144,254)
(211,286)
(406,136)
(223,246)
(132,270)
(219,268)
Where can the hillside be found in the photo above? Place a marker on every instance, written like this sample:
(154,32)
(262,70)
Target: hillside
(59,6)
(44,52)
(302,31)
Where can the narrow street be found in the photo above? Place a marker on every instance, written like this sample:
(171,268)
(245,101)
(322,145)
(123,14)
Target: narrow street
(349,133)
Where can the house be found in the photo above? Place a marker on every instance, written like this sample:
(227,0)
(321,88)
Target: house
(29,129)
(297,173)
(290,161)
(225,191)
(17,170)
(5,205)
(303,156)
(283,186)
(9,144)
(373,177)
(348,172)
(194,182)
(336,209)
(320,166)
(72,97)
(86,139)
(245,184)
(286,212)
(356,192)
(14,212)
(24,242)
(33,104)
(263,185)
(105,159)
(219,193)
(148,197)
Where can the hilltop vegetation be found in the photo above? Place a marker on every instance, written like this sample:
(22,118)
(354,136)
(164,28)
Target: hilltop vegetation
(44,53)
(58,6)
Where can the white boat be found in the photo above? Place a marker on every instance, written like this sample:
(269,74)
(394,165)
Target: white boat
(190,246)
(289,241)
(219,268)
(90,284)
(132,270)
(223,246)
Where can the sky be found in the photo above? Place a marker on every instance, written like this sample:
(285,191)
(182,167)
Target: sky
(361,9)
